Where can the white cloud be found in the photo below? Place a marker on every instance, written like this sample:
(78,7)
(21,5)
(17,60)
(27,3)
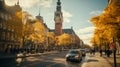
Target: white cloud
(86,30)
(66,16)
(11,2)
(97,12)
(86,34)
(88,21)
(86,38)
(45,3)
(31,3)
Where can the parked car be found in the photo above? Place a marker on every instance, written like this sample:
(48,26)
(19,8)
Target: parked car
(74,55)
(83,52)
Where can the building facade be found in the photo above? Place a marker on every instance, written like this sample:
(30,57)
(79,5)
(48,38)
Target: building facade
(10,26)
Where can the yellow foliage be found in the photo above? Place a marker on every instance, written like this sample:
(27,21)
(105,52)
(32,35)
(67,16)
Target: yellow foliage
(19,14)
(38,26)
(107,24)
(51,38)
(64,39)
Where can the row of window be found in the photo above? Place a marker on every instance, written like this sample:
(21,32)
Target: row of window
(8,36)
(8,29)
(4,26)
(5,16)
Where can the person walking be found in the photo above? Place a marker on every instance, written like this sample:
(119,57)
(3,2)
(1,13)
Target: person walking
(108,52)
(100,52)
(91,52)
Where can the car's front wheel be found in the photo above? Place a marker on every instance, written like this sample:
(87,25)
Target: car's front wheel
(67,59)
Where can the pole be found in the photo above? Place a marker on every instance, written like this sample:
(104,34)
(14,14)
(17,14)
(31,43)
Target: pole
(115,58)
(114,52)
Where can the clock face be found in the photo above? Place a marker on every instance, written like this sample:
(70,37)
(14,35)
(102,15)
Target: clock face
(57,19)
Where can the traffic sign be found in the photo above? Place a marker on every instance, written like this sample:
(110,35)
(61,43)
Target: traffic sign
(112,45)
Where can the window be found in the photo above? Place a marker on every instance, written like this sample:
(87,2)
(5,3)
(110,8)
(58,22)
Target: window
(6,17)
(2,15)
(3,35)
(0,24)
(4,25)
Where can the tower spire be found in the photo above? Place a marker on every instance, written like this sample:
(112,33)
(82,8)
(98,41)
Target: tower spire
(18,2)
(58,8)
(39,17)
(39,11)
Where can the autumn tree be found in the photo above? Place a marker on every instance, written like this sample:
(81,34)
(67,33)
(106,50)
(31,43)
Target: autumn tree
(64,39)
(107,25)
(68,41)
(14,24)
(51,38)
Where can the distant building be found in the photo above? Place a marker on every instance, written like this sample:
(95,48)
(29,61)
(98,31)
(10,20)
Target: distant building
(58,18)
(41,20)
(10,26)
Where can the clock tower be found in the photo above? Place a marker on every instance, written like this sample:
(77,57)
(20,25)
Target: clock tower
(58,18)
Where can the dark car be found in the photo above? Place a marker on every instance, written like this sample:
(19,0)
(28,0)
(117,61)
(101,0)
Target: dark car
(74,55)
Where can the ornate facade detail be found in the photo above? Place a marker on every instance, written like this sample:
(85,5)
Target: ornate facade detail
(58,18)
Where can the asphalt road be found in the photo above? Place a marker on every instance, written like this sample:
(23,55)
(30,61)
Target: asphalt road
(47,60)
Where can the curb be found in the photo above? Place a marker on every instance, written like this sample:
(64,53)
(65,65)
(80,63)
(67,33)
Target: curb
(27,55)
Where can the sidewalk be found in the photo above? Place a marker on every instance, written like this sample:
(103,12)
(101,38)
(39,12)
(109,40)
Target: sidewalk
(6,56)
(95,61)
(111,60)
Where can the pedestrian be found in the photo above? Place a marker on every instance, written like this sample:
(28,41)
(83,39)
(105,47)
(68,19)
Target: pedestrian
(105,51)
(100,52)
(108,52)
(93,51)
(90,51)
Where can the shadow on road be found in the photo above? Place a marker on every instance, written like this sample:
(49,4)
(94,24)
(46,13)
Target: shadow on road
(92,60)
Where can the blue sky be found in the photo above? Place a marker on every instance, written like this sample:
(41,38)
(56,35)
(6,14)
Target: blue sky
(76,13)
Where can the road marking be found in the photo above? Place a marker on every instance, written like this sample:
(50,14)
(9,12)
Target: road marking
(50,65)
(31,64)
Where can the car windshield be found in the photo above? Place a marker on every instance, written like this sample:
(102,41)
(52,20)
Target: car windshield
(73,52)
(82,50)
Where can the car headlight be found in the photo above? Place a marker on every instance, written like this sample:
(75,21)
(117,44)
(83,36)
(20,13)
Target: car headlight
(67,55)
(76,56)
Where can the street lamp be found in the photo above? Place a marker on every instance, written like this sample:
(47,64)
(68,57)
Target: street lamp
(114,49)
(113,46)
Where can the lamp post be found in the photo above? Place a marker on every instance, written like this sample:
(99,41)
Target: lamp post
(113,45)
(114,49)
(100,43)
